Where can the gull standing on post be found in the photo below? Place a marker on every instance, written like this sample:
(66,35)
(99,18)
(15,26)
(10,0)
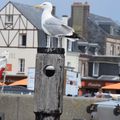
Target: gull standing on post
(53,26)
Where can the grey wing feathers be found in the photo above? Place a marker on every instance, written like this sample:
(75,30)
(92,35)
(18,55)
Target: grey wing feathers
(55,27)
(53,20)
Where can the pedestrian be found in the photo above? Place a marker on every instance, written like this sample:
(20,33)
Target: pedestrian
(99,94)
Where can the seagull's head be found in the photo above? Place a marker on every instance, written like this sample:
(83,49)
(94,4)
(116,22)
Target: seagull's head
(45,5)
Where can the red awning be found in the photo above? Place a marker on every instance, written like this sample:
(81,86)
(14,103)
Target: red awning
(20,82)
(112,86)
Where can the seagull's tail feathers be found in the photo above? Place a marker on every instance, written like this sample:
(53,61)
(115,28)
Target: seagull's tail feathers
(74,36)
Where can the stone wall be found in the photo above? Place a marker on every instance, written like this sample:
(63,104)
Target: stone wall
(21,107)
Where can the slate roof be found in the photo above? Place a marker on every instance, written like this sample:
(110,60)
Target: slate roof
(97,20)
(100,19)
(30,12)
(106,21)
(34,15)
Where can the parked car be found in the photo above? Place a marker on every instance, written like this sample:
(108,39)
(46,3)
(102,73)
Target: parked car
(16,90)
(105,110)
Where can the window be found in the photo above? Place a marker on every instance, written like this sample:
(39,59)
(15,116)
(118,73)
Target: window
(68,64)
(83,70)
(21,65)
(9,19)
(112,49)
(69,45)
(118,50)
(95,69)
(22,42)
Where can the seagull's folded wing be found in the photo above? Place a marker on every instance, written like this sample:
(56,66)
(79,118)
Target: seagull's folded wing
(56,28)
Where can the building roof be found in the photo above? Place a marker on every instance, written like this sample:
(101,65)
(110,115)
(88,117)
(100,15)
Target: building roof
(30,12)
(105,21)
(34,15)
(100,19)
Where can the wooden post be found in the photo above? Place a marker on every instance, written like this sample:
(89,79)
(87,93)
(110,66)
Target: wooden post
(49,82)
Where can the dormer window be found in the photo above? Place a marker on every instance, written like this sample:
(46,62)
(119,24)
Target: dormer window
(9,19)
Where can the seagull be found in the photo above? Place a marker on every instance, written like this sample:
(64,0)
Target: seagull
(53,26)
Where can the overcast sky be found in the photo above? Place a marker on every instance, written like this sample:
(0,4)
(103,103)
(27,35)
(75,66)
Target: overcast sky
(106,8)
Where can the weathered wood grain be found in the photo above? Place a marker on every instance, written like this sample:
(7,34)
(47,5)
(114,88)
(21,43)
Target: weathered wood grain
(48,95)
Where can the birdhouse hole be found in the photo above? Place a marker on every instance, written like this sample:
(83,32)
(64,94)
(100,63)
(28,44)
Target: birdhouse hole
(49,70)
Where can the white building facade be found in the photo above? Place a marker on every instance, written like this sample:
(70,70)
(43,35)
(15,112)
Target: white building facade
(20,33)
(19,37)
(71,57)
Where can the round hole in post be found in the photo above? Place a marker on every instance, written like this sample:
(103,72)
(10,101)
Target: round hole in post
(49,70)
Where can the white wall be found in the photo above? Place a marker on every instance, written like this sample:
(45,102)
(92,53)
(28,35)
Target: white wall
(10,35)
(16,53)
(20,25)
(73,58)
(115,43)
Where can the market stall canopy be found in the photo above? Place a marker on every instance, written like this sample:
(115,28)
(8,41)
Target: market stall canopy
(20,82)
(112,86)
(2,84)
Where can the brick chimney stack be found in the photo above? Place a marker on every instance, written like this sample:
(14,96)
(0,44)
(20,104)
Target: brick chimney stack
(79,15)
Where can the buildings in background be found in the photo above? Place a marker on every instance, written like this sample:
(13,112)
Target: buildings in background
(99,52)
(96,29)
(96,51)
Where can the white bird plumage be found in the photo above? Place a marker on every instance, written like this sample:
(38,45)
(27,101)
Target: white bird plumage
(51,25)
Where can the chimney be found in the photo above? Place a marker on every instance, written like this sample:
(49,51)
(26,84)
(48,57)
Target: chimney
(65,19)
(79,15)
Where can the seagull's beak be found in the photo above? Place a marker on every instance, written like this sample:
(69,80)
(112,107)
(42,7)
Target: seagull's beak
(37,6)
